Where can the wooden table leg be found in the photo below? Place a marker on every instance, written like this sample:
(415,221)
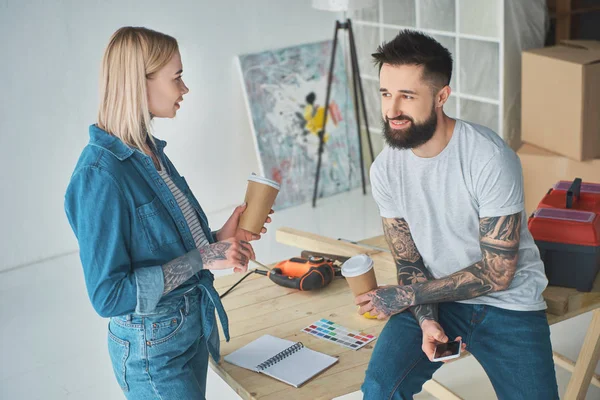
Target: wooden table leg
(569,365)
(586,361)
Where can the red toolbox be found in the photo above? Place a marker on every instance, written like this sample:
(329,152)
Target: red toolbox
(562,195)
(566,229)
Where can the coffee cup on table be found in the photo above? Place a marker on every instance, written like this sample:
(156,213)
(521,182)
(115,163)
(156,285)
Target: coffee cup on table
(360,275)
(260,197)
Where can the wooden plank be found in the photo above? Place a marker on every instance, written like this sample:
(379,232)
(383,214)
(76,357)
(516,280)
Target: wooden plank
(378,241)
(322,244)
(563,300)
(554,319)
(586,361)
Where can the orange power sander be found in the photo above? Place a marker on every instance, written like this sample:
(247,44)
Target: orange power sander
(313,272)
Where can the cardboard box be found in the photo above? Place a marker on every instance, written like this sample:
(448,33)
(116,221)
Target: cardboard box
(542,169)
(561,98)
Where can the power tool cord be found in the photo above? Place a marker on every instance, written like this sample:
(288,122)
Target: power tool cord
(238,282)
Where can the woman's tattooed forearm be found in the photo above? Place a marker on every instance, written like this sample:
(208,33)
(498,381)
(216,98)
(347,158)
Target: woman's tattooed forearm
(181,269)
(499,237)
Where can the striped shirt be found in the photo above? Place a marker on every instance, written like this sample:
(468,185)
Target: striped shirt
(186,208)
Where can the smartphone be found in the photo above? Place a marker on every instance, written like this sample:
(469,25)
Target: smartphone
(447,351)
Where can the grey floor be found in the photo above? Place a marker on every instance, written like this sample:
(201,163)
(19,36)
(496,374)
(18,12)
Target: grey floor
(53,344)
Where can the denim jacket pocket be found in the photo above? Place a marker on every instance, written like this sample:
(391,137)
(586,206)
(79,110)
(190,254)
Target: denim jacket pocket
(118,350)
(158,226)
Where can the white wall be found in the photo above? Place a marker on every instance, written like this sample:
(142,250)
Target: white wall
(49,61)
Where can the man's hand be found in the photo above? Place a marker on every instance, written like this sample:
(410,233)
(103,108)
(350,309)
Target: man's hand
(385,301)
(232,230)
(433,334)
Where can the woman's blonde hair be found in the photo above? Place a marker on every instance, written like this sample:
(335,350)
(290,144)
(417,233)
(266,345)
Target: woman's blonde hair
(133,55)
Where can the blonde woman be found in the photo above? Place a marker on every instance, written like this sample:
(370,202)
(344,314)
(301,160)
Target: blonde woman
(145,244)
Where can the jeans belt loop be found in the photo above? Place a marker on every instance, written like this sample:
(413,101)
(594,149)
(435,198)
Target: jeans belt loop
(187,304)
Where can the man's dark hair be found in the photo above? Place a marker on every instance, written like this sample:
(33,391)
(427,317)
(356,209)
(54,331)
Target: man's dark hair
(415,48)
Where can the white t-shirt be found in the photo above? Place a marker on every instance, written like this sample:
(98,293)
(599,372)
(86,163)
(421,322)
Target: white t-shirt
(442,199)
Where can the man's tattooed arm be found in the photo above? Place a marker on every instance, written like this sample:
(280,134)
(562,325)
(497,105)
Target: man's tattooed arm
(181,269)
(499,238)
(409,263)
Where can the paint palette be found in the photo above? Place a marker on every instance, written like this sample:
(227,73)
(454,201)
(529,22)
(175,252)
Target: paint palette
(329,330)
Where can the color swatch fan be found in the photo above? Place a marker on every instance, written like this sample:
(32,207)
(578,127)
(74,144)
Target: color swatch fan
(329,330)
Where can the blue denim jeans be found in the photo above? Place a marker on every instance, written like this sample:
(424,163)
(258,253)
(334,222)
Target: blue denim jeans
(513,347)
(161,356)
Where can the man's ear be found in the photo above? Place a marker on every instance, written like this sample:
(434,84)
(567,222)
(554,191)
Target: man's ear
(442,96)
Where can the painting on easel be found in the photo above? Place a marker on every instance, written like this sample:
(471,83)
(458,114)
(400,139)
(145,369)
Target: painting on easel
(285,95)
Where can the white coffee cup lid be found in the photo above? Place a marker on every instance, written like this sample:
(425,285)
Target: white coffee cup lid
(357,265)
(264,180)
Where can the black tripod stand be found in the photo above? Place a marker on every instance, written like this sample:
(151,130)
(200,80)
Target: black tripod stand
(358,96)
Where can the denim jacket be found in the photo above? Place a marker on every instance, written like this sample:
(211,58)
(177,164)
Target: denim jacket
(128,224)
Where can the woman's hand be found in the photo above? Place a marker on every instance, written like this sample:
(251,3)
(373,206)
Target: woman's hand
(228,253)
(231,228)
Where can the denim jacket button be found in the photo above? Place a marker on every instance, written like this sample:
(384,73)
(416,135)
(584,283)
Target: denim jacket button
(191,242)
(172,203)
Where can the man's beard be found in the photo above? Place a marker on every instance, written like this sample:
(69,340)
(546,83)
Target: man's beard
(413,136)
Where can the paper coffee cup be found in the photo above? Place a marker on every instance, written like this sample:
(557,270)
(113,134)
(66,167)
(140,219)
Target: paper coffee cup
(360,274)
(260,197)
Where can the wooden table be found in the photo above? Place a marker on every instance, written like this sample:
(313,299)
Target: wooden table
(257,307)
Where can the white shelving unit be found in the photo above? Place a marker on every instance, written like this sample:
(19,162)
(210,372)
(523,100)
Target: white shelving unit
(476,33)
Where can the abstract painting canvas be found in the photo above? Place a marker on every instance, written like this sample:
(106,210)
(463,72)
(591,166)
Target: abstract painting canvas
(285,96)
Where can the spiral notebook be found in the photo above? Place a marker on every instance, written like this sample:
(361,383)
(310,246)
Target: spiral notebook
(281,359)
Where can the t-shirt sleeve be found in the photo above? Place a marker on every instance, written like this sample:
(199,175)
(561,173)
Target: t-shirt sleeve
(380,188)
(500,186)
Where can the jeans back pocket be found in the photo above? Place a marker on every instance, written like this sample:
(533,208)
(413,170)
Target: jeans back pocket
(118,350)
